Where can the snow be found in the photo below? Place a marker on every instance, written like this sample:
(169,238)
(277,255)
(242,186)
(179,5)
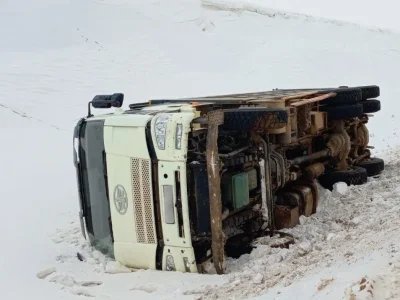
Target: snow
(114,267)
(373,14)
(350,236)
(56,55)
(45,273)
(339,189)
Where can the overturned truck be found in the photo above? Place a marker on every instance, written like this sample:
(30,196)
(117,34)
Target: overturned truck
(173,184)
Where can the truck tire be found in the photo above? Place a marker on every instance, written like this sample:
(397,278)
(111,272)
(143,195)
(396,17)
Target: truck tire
(374,166)
(245,119)
(343,111)
(371,106)
(355,176)
(369,91)
(343,96)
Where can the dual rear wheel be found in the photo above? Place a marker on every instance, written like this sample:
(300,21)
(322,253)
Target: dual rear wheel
(352,102)
(355,175)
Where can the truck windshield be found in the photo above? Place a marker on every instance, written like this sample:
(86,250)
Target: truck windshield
(93,176)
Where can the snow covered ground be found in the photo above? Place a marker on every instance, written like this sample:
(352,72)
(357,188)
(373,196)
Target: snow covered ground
(56,55)
(372,14)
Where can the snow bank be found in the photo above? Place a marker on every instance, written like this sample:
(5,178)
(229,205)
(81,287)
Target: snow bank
(347,229)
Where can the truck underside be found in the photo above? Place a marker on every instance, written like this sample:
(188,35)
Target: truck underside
(253,161)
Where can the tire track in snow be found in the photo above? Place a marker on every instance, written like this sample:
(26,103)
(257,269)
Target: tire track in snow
(241,6)
(24,115)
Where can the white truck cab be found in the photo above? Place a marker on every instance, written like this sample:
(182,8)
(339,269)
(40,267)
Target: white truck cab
(125,161)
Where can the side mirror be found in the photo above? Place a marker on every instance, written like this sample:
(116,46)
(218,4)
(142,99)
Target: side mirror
(106,101)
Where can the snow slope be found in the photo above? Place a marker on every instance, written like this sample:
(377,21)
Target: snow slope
(56,55)
(371,14)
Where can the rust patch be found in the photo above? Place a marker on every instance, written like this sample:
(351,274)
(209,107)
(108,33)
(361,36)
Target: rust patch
(314,170)
(268,122)
(286,216)
(303,119)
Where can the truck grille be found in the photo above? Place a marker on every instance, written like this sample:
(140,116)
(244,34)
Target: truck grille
(143,202)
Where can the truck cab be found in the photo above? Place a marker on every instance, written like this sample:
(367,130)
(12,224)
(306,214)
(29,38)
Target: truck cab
(132,174)
(174,184)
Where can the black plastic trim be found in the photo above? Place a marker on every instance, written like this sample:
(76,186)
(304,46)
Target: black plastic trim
(157,212)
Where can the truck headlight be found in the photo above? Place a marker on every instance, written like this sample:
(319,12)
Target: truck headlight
(161,131)
(170,266)
(178,137)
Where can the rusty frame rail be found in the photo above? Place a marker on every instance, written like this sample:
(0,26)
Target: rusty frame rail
(214,119)
(312,100)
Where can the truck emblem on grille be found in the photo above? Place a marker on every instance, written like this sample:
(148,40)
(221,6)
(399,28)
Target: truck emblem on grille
(120,199)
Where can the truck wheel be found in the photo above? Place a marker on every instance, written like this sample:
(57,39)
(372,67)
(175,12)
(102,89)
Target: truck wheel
(369,91)
(355,176)
(371,106)
(245,119)
(374,166)
(343,96)
(343,111)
